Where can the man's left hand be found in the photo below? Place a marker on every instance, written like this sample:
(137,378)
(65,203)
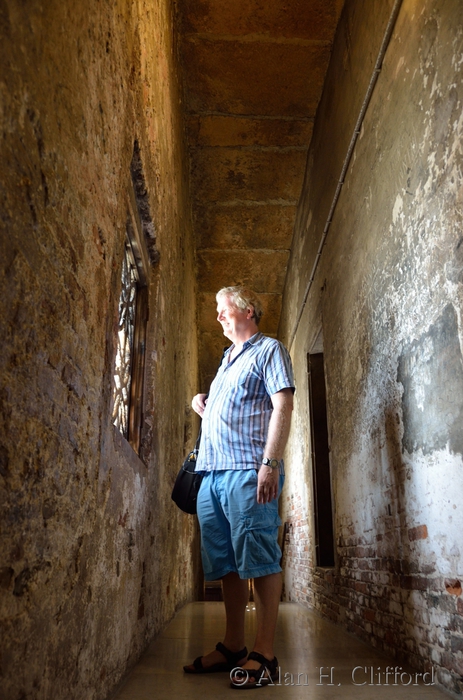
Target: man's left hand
(267,484)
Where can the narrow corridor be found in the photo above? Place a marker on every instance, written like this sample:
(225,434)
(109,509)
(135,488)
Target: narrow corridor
(153,152)
(317,659)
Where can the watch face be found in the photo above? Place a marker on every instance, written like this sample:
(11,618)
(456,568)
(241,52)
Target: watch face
(271,462)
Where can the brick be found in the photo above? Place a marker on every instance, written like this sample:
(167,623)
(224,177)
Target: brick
(420,532)
(453,587)
(369,615)
(421,583)
(452,663)
(456,644)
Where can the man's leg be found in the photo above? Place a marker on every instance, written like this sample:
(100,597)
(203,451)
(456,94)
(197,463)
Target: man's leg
(249,553)
(235,596)
(267,593)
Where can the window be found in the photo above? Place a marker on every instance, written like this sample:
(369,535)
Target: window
(324,536)
(128,377)
(124,348)
(130,351)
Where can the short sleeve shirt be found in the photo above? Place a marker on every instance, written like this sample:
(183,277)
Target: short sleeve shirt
(238,409)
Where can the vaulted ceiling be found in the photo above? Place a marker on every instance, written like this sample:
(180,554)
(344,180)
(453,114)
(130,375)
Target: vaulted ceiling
(253,73)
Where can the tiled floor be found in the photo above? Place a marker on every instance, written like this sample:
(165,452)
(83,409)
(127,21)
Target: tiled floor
(317,659)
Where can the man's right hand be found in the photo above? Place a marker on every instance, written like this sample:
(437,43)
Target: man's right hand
(199,403)
(267,484)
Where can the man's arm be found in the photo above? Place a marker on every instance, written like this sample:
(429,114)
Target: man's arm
(278,432)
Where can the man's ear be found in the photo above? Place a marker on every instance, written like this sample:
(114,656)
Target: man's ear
(250,313)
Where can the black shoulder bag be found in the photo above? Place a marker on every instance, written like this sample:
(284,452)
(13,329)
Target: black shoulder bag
(187,483)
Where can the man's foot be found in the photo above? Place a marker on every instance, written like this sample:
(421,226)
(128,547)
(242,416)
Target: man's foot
(255,673)
(221,659)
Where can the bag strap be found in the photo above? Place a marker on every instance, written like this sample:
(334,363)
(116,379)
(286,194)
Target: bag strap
(198,439)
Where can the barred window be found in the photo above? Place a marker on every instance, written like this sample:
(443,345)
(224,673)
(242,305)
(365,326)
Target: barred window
(130,351)
(124,348)
(129,365)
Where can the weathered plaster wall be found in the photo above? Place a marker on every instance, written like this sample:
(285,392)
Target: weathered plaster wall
(95,558)
(388,295)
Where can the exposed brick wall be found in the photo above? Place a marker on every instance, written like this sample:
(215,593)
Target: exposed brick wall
(408,616)
(297,561)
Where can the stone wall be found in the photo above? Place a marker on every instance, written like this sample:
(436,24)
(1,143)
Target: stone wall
(95,558)
(387,294)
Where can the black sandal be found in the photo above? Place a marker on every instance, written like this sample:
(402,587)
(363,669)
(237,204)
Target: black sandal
(247,678)
(232,660)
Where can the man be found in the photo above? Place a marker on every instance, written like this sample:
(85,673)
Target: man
(246,421)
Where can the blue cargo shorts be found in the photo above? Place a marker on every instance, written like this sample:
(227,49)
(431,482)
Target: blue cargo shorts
(237,533)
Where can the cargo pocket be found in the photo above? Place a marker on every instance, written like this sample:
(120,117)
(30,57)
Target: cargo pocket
(261,537)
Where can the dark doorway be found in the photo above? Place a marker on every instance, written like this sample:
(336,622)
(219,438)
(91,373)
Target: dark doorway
(324,540)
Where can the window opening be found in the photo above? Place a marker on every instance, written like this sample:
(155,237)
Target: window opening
(130,350)
(324,535)
(124,348)
(128,378)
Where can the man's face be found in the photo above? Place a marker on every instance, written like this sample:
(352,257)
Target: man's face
(234,321)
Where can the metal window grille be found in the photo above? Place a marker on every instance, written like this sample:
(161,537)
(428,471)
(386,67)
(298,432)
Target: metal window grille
(129,366)
(125,343)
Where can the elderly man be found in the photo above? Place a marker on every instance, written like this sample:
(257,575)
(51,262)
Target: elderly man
(246,420)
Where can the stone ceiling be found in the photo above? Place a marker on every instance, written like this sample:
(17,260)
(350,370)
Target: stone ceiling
(253,73)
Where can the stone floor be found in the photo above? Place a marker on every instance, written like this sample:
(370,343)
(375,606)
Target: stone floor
(317,659)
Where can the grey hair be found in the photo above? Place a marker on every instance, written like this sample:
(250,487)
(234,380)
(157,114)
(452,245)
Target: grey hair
(243,298)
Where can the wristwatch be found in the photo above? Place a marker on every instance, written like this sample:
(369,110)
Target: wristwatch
(272,463)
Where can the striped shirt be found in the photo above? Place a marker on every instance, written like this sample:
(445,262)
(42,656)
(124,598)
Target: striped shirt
(238,409)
